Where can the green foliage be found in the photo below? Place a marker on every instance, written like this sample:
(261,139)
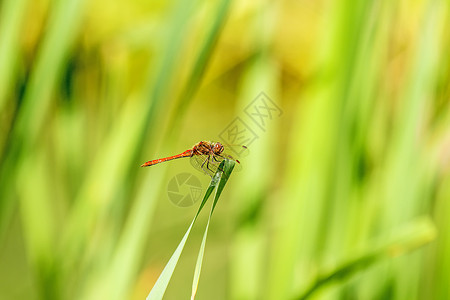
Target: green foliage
(217,183)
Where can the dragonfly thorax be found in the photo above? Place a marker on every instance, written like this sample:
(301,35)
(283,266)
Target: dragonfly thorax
(207,148)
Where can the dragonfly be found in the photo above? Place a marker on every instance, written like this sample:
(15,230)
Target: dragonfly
(205,156)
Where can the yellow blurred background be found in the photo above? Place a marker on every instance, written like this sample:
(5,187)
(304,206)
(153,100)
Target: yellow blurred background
(344,106)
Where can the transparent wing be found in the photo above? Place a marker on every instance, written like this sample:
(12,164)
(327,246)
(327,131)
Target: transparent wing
(207,164)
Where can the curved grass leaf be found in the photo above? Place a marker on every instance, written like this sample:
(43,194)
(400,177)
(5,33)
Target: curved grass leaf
(218,181)
(198,265)
(415,235)
(228,167)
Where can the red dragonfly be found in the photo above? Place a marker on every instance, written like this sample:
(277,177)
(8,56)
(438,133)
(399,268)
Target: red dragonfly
(205,156)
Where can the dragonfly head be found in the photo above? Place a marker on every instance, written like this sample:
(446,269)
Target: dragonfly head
(218,148)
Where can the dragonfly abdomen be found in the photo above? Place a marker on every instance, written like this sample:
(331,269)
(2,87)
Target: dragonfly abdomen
(187,153)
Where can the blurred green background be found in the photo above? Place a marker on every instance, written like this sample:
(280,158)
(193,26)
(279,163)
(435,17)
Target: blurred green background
(345,193)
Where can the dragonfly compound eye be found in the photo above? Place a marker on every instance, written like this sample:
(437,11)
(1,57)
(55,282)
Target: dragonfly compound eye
(218,148)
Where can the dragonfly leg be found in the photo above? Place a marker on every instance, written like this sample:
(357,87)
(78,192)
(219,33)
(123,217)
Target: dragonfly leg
(207,164)
(217,160)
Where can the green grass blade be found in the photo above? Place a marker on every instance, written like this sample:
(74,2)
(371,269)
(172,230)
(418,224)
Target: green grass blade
(161,284)
(414,236)
(228,167)
(198,265)
(218,181)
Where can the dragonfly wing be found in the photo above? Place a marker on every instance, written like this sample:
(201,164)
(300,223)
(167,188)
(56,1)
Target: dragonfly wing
(207,164)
